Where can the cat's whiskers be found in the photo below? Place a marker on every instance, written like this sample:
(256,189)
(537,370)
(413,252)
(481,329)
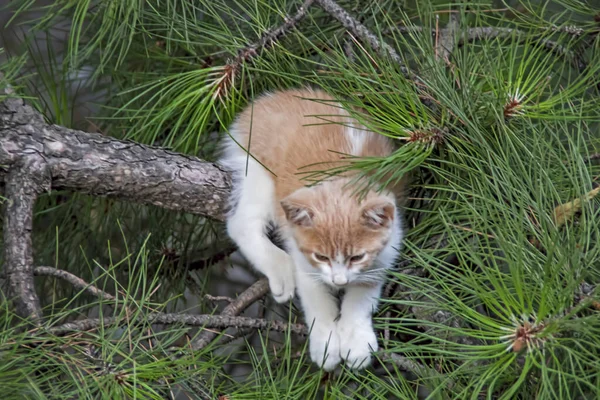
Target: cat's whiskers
(372,276)
(316,277)
(369,271)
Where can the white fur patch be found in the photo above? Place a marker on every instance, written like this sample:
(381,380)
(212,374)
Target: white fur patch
(357,139)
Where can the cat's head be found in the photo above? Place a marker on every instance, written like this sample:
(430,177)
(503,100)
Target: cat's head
(339,234)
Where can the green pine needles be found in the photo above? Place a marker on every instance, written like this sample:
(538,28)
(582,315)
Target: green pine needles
(495,107)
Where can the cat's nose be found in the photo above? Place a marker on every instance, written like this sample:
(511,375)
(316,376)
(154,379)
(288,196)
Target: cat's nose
(340,280)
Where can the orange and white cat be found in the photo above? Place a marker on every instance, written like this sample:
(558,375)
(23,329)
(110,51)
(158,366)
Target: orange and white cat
(334,240)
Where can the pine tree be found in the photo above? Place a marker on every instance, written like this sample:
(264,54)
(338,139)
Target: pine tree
(495,109)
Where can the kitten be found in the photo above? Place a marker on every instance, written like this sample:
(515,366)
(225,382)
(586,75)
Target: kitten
(334,239)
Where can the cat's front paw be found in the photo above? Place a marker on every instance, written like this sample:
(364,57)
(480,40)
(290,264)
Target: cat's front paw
(357,342)
(281,277)
(324,345)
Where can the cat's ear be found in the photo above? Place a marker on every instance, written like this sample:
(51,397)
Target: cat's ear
(378,213)
(296,208)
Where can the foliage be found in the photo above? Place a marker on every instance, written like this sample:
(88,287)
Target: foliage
(495,139)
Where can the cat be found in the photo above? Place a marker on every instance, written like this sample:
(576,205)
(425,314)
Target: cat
(334,240)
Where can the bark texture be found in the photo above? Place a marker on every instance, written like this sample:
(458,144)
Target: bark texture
(206,321)
(103,166)
(255,292)
(36,157)
(23,185)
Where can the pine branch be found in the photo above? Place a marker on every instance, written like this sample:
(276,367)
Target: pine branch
(491,32)
(103,166)
(446,39)
(362,32)
(74,280)
(409,365)
(255,292)
(23,185)
(205,321)
(267,40)
(210,260)
(40,157)
(270,37)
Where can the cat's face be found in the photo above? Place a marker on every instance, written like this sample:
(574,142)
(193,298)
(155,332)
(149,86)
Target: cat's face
(340,236)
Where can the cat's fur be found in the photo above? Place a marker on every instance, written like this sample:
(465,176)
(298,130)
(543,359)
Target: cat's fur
(334,240)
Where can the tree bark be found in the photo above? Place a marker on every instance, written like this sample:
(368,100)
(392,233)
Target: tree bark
(23,185)
(104,166)
(36,157)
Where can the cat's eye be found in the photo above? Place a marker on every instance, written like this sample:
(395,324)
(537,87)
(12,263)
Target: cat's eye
(320,257)
(358,258)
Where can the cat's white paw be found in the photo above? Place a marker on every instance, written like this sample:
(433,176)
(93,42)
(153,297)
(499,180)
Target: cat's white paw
(281,277)
(324,345)
(357,342)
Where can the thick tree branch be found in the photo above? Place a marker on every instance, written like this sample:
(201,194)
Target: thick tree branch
(24,182)
(103,166)
(255,292)
(205,321)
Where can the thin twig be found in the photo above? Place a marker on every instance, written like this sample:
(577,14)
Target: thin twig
(491,32)
(205,321)
(593,157)
(255,292)
(361,31)
(269,38)
(218,298)
(348,49)
(266,40)
(74,280)
(241,333)
(483,33)
(407,364)
(210,260)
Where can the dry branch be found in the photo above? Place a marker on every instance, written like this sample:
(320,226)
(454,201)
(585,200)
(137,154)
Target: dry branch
(22,187)
(255,292)
(491,32)
(103,166)
(266,40)
(205,321)
(270,37)
(446,39)
(361,31)
(407,364)
(37,157)
(74,280)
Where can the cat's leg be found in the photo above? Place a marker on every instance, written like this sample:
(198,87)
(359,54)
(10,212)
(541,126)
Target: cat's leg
(320,311)
(355,326)
(247,228)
